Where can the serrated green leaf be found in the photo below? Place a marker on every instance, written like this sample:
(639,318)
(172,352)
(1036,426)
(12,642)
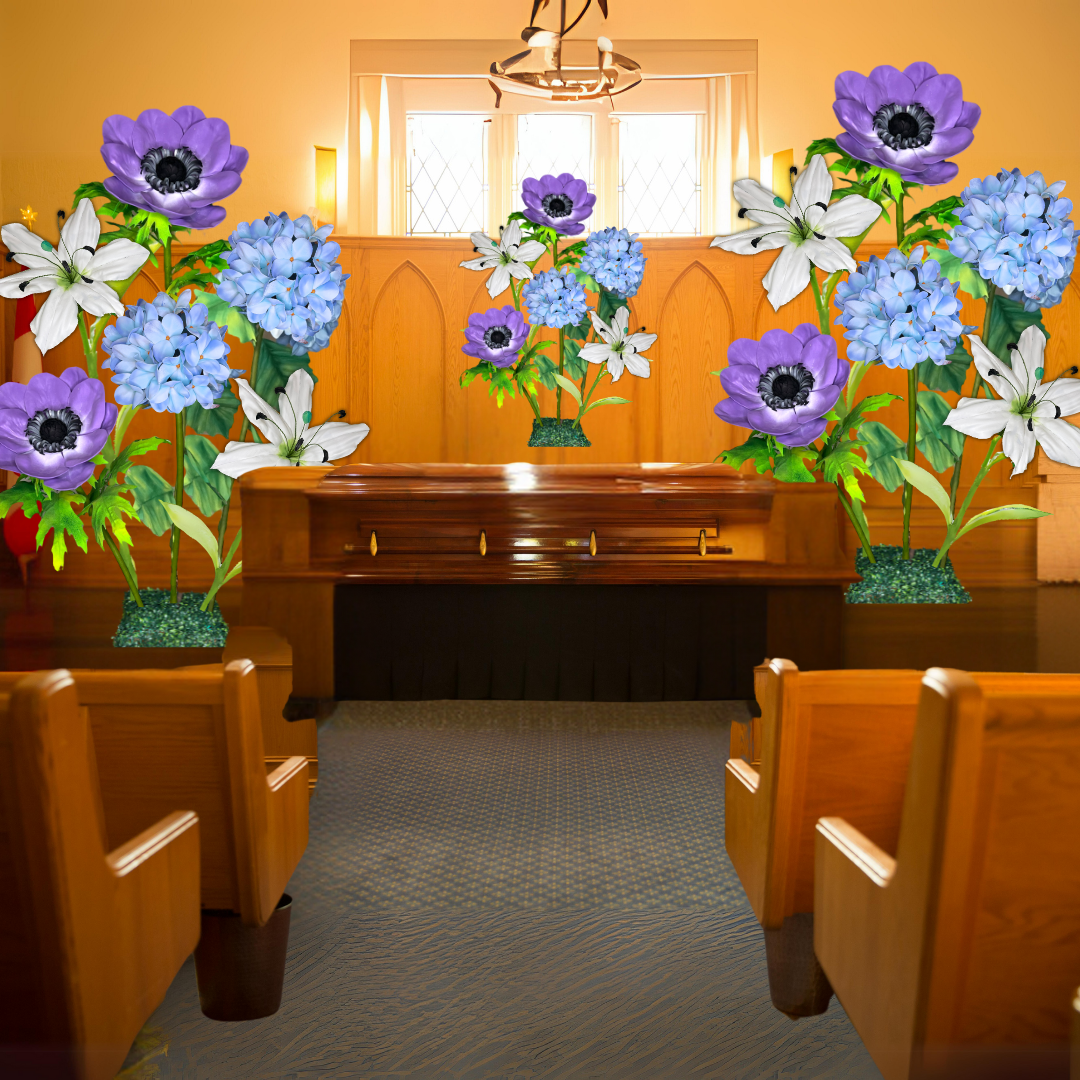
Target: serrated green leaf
(854,417)
(929,485)
(224,314)
(755,449)
(21,493)
(479,370)
(216,421)
(789,468)
(948,377)
(207,488)
(1008,320)
(882,448)
(502,383)
(59,515)
(964,274)
(844,465)
(109,510)
(276,364)
(150,494)
(1012,512)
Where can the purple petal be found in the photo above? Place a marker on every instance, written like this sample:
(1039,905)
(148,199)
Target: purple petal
(741,383)
(819,357)
(117,129)
(122,160)
(969,115)
(122,191)
(855,117)
(40,466)
(13,429)
(778,347)
(732,412)
(208,140)
(70,479)
(948,142)
(108,421)
(745,351)
(238,158)
(854,85)
(216,186)
(155,128)
(806,332)
(943,97)
(73,376)
(821,400)
(851,145)
(13,396)
(804,434)
(772,421)
(187,115)
(45,391)
(565,228)
(205,217)
(919,72)
(88,402)
(531,198)
(889,85)
(89,443)
(940,172)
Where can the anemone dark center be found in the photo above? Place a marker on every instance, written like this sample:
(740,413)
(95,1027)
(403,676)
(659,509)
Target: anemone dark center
(903,127)
(169,171)
(557,205)
(786,386)
(51,430)
(497,337)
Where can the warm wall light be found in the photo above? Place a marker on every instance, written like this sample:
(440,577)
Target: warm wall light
(782,161)
(326,184)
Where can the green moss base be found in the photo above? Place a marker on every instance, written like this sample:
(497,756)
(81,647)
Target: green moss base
(552,432)
(159,624)
(892,579)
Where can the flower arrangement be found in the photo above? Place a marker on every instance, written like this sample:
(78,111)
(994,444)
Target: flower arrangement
(275,282)
(1006,239)
(505,341)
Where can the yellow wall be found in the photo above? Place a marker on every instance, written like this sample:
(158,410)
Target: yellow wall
(278,72)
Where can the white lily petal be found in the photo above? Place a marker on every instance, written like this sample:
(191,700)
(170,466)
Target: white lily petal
(1004,381)
(116,261)
(1064,393)
(38,279)
(26,247)
(830,255)
(620,321)
(1018,443)
(273,427)
(337,439)
(615,366)
(788,276)
(848,217)
(511,235)
(599,325)
(296,401)
(637,365)
(596,352)
(519,270)
(482,242)
(485,262)
(757,200)
(742,243)
(96,297)
(979,417)
(641,342)
(1060,440)
(243,457)
(499,281)
(1027,357)
(81,230)
(530,251)
(813,185)
(57,319)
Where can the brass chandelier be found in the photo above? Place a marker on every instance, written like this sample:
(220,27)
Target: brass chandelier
(549,69)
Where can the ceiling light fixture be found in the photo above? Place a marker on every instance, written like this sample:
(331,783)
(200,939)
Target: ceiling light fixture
(549,69)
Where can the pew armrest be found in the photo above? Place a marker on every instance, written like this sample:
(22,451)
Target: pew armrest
(142,848)
(745,830)
(863,853)
(287,802)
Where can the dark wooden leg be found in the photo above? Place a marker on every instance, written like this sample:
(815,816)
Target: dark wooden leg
(797,984)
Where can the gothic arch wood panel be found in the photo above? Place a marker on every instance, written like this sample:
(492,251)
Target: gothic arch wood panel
(406,356)
(696,326)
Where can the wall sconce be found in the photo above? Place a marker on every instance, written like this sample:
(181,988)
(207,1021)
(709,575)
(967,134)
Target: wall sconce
(325,184)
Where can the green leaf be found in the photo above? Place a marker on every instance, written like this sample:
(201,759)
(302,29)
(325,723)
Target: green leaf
(964,274)
(854,418)
(216,421)
(606,401)
(929,485)
(1013,512)
(1008,320)
(196,528)
(151,494)
(483,370)
(587,282)
(224,314)
(207,488)
(948,377)
(569,387)
(755,449)
(610,303)
(276,364)
(940,445)
(109,510)
(573,364)
(788,466)
(844,465)
(502,383)
(943,210)
(21,493)
(546,369)
(882,448)
(59,514)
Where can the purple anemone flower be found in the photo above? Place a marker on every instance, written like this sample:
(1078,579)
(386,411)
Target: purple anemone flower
(560,202)
(784,384)
(173,165)
(909,120)
(497,335)
(51,428)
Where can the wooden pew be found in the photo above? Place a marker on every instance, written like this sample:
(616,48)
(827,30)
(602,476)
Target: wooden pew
(957,958)
(193,738)
(93,931)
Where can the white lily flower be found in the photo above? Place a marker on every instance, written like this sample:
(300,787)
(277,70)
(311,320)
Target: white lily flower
(291,441)
(74,275)
(507,255)
(618,348)
(807,230)
(1028,411)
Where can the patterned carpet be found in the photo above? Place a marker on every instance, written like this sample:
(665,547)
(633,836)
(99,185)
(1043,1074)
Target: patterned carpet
(520,890)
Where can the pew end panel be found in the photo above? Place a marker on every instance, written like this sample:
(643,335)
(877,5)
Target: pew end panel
(91,938)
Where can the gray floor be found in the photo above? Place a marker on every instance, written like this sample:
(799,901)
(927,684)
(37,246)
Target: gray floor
(515,889)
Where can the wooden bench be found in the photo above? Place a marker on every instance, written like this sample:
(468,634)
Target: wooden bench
(957,958)
(93,931)
(193,738)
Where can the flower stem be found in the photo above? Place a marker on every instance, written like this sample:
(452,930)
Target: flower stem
(900,223)
(174,540)
(133,585)
(223,523)
(958,520)
(558,388)
(913,427)
(819,302)
(588,396)
(245,427)
(88,350)
(166,247)
(858,521)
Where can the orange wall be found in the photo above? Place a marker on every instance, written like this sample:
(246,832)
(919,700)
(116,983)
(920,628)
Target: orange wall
(278,72)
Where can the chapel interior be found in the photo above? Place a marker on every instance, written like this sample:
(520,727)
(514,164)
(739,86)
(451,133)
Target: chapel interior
(601,692)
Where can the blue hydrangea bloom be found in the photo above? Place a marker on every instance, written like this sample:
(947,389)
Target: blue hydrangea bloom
(900,311)
(555,298)
(1016,231)
(285,276)
(167,354)
(613,259)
